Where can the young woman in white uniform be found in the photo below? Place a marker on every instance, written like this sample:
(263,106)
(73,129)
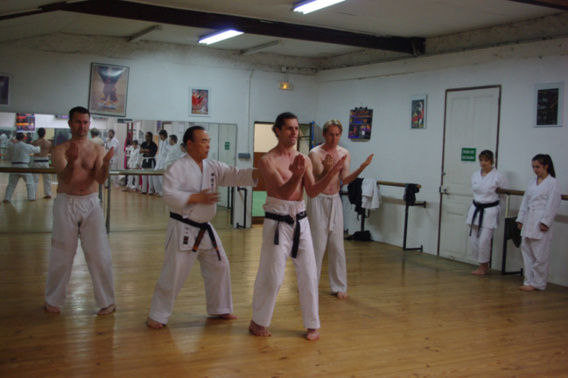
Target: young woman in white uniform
(536,216)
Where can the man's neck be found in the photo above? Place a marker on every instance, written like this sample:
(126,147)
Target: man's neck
(328,147)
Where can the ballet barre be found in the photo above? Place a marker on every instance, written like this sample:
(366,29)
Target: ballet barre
(510,225)
(407,205)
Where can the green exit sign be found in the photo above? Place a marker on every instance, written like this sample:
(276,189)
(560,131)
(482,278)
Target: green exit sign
(468,154)
(227,145)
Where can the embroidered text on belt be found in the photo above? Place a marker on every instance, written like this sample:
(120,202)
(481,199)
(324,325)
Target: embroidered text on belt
(202,227)
(288,219)
(480,208)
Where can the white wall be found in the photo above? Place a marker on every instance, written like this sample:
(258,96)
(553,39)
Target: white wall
(51,75)
(405,155)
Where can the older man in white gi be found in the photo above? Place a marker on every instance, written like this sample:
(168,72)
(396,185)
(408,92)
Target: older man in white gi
(190,190)
(286,231)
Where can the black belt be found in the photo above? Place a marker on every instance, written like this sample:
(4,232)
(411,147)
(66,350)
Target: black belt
(203,227)
(19,162)
(480,208)
(288,219)
(41,160)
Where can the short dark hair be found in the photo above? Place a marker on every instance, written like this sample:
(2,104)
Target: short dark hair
(111,131)
(41,132)
(135,141)
(280,120)
(163,133)
(188,135)
(150,133)
(80,110)
(20,136)
(174,138)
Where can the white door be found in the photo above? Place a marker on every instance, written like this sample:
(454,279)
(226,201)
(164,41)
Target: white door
(471,126)
(227,152)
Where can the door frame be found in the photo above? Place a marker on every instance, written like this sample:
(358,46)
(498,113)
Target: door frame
(496,152)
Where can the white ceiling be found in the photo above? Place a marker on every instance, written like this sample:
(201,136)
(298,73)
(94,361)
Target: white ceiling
(403,18)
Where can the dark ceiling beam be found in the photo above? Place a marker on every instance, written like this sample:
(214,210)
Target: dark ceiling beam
(556,4)
(165,15)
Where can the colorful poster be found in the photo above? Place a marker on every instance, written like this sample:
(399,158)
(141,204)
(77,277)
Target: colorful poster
(360,123)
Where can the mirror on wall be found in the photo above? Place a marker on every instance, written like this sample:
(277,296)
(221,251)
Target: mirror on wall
(129,211)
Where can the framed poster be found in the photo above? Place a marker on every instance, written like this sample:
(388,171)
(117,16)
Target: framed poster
(108,89)
(360,123)
(418,112)
(200,102)
(25,122)
(549,101)
(5,89)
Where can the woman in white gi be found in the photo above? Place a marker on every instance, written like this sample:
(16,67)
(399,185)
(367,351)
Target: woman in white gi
(536,216)
(134,162)
(190,190)
(483,214)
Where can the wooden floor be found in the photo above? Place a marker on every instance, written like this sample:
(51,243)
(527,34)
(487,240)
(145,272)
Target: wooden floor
(408,314)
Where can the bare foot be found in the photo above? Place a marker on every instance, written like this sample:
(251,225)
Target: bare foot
(341,295)
(482,270)
(258,330)
(46,197)
(107,310)
(151,323)
(527,288)
(312,334)
(51,309)
(225,316)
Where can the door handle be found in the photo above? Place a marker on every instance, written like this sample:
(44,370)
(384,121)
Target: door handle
(444,190)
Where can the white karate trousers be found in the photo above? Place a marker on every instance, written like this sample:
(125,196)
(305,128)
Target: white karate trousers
(325,214)
(273,263)
(536,258)
(45,176)
(79,217)
(481,245)
(177,265)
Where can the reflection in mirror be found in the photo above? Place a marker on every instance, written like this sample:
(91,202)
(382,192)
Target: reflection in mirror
(129,211)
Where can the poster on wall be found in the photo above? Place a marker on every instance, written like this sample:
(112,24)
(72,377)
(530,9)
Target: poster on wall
(5,82)
(200,102)
(548,104)
(360,123)
(108,89)
(418,112)
(25,122)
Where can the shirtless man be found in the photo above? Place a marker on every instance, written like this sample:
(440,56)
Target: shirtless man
(81,166)
(286,231)
(41,160)
(325,212)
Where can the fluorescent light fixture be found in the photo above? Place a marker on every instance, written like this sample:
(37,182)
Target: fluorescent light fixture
(220,36)
(313,5)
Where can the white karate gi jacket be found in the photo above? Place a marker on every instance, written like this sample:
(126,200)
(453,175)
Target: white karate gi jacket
(135,159)
(540,204)
(184,177)
(113,143)
(484,191)
(19,152)
(174,153)
(163,148)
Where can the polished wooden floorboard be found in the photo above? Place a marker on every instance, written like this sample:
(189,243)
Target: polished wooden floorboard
(408,313)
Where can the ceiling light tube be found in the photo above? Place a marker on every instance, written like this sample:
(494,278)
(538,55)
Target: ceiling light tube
(218,36)
(313,5)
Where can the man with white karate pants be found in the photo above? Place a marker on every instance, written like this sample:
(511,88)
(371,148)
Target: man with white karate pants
(81,166)
(325,212)
(190,190)
(286,231)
